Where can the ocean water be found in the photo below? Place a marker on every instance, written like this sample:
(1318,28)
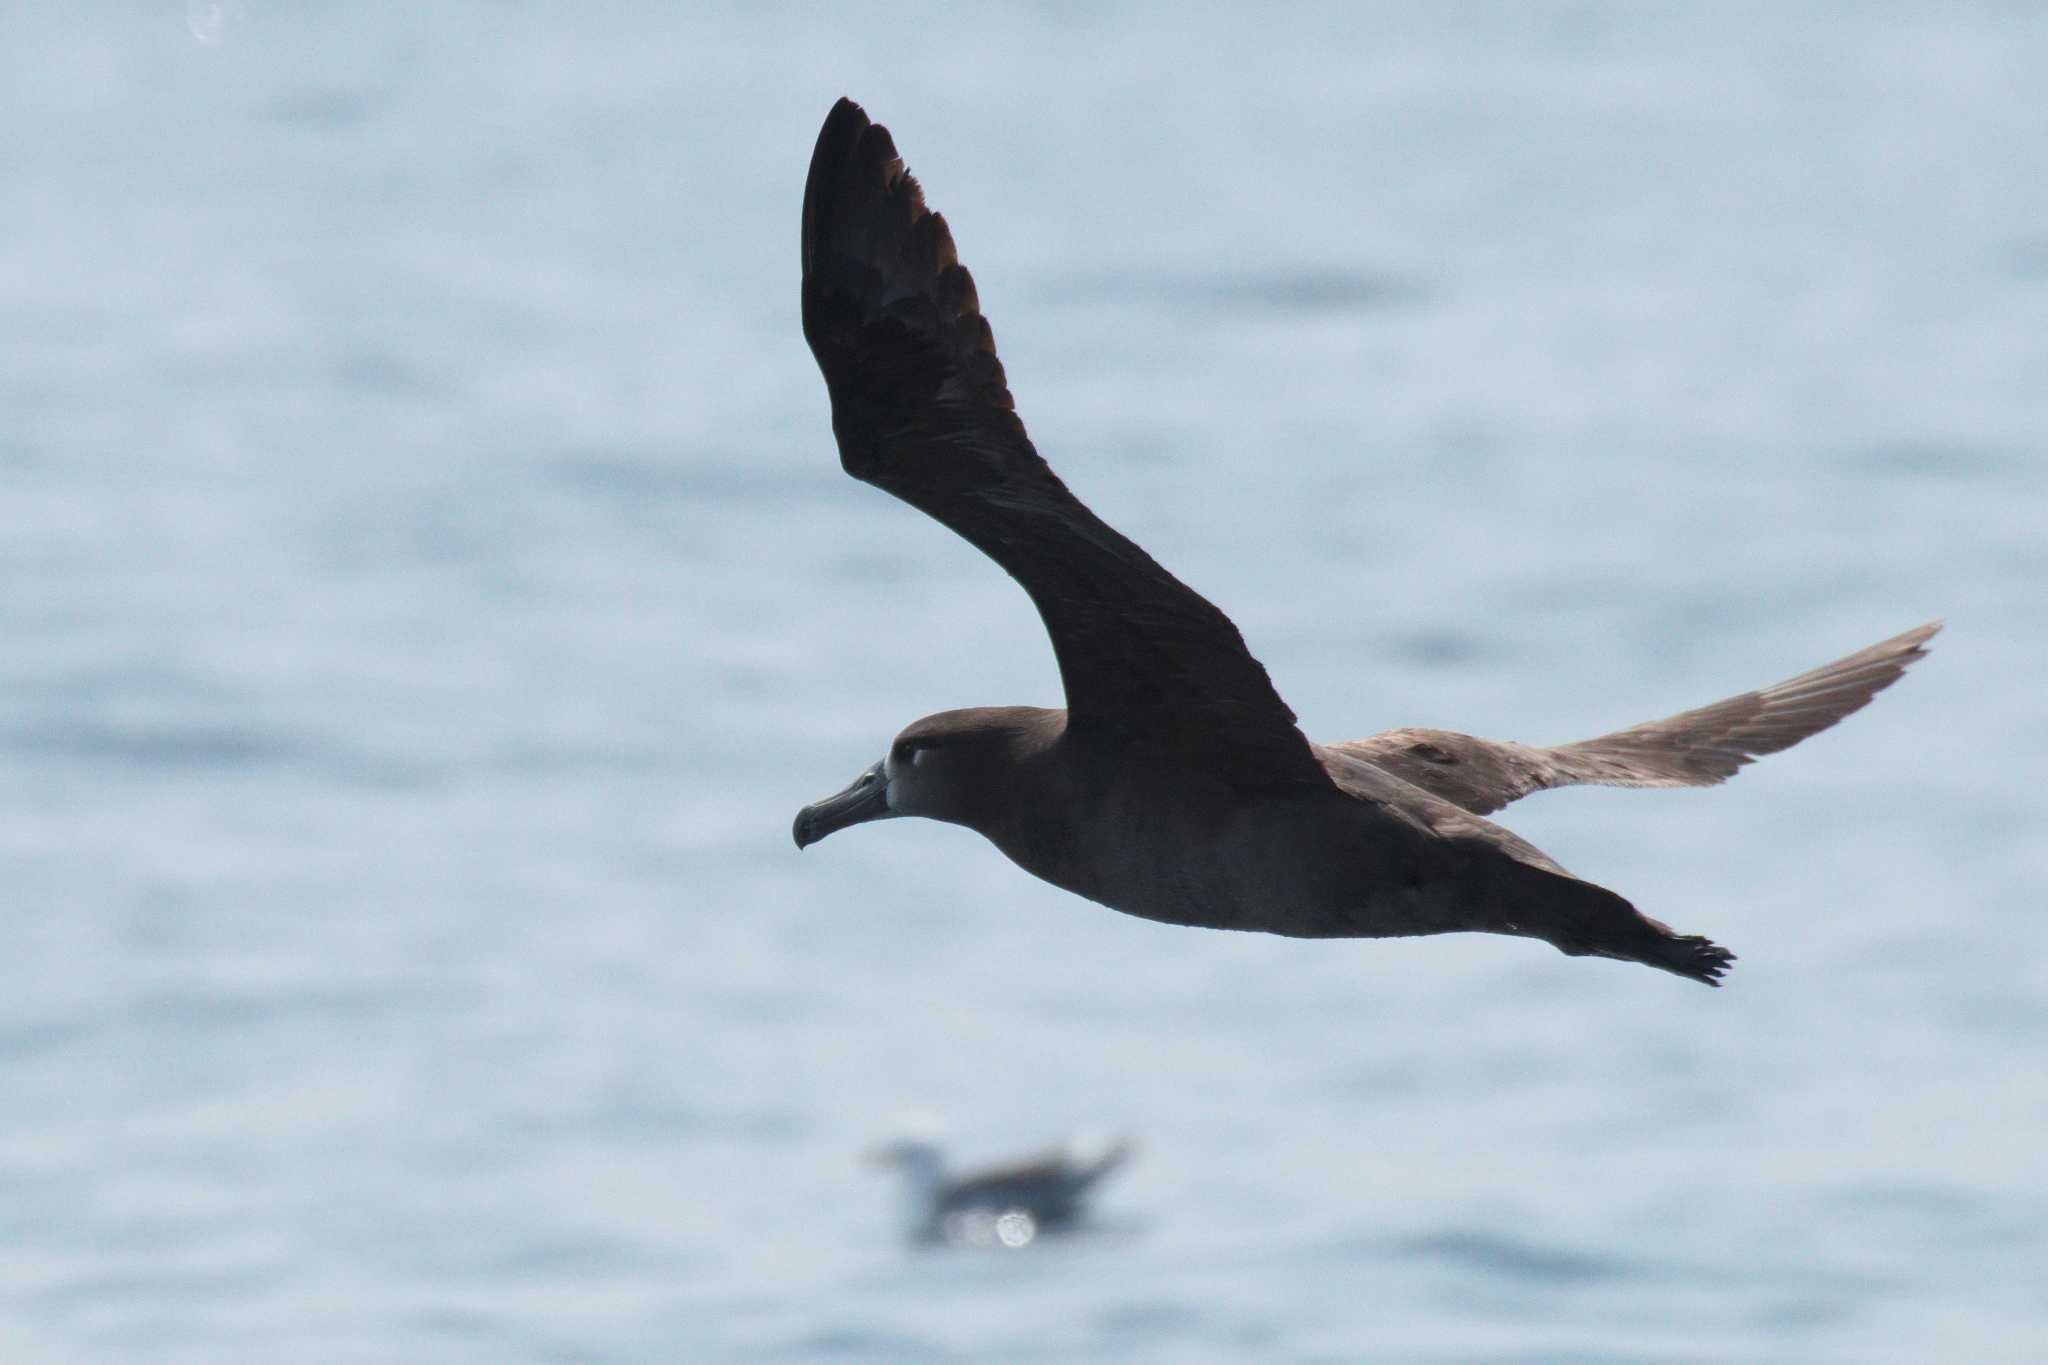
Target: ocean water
(428,591)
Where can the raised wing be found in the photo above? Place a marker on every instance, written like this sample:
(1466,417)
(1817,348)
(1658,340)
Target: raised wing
(1048,1177)
(1692,749)
(921,410)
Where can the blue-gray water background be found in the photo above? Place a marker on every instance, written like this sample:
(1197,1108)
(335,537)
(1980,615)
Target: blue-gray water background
(428,589)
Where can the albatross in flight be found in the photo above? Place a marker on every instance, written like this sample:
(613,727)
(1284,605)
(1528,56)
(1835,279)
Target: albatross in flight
(1175,785)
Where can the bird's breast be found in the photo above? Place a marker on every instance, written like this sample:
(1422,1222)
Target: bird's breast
(1195,854)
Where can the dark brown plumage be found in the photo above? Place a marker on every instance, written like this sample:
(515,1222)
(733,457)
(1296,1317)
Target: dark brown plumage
(921,410)
(1175,785)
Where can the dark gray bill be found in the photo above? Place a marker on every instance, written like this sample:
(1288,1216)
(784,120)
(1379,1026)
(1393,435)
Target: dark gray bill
(867,799)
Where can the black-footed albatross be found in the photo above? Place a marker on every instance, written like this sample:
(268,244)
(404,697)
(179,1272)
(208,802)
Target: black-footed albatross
(1175,785)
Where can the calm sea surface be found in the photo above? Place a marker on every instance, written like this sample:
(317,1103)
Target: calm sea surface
(427,590)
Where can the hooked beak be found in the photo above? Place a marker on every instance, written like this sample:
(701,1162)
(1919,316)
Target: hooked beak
(866,799)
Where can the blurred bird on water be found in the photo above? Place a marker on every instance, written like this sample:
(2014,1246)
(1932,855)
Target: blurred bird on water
(1008,1204)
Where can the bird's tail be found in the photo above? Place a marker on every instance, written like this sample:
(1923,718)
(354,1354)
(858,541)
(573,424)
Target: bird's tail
(1583,920)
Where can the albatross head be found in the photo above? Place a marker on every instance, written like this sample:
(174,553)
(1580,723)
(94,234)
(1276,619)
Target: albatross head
(951,766)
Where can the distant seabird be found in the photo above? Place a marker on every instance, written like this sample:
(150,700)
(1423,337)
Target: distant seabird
(1175,785)
(1004,1205)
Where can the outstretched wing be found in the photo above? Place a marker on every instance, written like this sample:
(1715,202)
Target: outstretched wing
(921,410)
(1692,749)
